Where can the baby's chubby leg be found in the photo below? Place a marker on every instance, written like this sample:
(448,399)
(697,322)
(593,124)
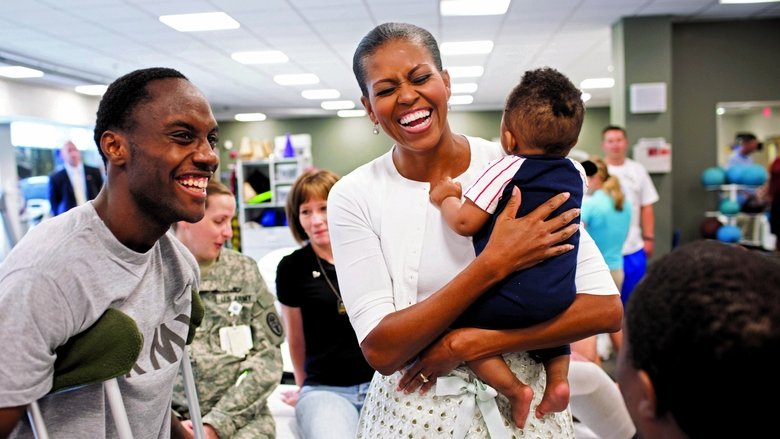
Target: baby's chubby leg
(496,373)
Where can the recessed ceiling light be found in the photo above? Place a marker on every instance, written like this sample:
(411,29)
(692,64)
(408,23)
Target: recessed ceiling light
(260,57)
(320,94)
(586,97)
(351,113)
(19,72)
(466,47)
(466,71)
(473,7)
(297,79)
(92,90)
(337,105)
(250,117)
(720,111)
(463,87)
(461,99)
(597,83)
(203,21)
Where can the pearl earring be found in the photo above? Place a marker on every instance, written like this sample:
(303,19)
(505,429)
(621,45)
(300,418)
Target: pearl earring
(376,129)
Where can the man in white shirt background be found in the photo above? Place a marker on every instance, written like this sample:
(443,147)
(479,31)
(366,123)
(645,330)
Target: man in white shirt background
(75,183)
(746,144)
(641,193)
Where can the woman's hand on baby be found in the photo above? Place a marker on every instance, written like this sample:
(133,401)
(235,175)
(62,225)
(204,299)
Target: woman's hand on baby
(530,239)
(445,188)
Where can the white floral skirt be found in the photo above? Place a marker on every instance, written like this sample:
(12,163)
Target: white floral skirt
(388,413)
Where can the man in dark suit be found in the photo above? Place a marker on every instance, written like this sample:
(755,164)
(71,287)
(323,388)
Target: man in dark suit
(75,183)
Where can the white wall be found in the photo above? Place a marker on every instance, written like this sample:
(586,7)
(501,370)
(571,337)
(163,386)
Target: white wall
(23,101)
(20,100)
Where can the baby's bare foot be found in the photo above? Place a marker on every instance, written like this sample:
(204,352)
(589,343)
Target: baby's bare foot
(555,398)
(519,396)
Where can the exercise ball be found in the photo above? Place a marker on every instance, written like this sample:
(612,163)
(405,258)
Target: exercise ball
(753,175)
(753,204)
(729,207)
(734,174)
(709,228)
(729,233)
(713,176)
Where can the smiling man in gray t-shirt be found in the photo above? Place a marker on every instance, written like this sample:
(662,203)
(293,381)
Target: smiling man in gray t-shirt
(156,134)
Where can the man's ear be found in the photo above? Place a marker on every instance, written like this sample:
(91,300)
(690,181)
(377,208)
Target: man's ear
(646,403)
(114,147)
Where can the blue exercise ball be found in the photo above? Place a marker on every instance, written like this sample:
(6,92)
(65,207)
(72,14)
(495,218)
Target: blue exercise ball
(729,207)
(754,175)
(713,176)
(729,233)
(734,174)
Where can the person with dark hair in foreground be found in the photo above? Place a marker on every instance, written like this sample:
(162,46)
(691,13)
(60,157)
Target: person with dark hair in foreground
(701,337)
(156,134)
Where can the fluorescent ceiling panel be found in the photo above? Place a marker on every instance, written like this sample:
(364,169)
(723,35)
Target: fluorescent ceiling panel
(461,99)
(19,72)
(92,90)
(466,71)
(202,21)
(466,47)
(297,79)
(473,7)
(321,94)
(337,105)
(260,57)
(463,87)
(351,113)
(597,83)
(250,117)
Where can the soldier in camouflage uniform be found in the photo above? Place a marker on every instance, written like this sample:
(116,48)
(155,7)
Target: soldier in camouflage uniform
(232,388)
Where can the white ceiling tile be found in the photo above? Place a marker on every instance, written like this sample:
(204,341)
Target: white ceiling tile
(108,38)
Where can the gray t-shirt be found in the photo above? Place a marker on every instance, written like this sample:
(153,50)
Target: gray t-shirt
(56,283)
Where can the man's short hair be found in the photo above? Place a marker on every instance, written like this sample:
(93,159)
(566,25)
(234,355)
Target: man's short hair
(123,96)
(613,128)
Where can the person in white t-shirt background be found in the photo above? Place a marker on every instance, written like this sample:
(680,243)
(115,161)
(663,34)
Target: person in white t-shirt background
(641,194)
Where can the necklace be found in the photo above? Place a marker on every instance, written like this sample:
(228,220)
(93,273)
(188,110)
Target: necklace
(342,310)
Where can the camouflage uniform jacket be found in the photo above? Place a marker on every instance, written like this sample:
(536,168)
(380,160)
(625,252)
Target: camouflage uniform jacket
(233,391)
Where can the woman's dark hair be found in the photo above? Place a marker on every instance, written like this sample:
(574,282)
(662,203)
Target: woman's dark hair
(391,32)
(312,184)
(123,96)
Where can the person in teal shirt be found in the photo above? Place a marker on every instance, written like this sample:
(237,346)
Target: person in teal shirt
(606,215)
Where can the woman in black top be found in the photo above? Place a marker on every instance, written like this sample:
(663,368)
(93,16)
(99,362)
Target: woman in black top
(328,364)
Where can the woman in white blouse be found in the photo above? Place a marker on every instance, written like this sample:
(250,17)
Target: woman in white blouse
(405,276)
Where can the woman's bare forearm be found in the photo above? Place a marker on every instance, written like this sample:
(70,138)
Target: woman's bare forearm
(588,315)
(514,244)
(400,336)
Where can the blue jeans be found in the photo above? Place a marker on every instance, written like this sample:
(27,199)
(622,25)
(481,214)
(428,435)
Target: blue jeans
(329,412)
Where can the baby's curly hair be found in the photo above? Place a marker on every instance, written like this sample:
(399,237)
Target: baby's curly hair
(545,111)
